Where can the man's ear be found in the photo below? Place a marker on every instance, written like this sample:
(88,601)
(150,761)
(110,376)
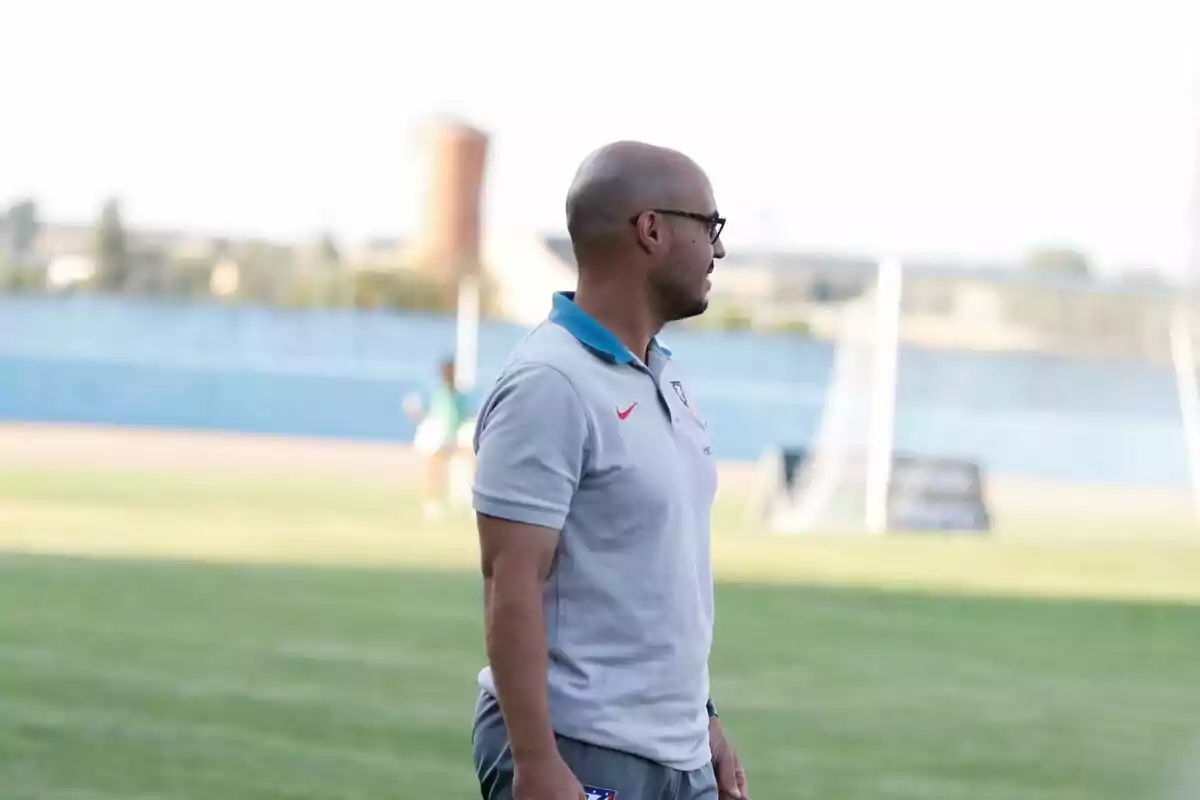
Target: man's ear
(649,231)
(654,231)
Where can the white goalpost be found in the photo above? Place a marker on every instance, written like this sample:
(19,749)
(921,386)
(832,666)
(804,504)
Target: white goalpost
(889,292)
(1184,359)
(843,484)
(1182,348)
(466,334)
(849,479)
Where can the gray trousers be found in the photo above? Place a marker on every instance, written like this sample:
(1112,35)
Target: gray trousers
(604,771)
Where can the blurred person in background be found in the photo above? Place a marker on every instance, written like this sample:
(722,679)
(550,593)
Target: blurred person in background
(436,438)
(594,484)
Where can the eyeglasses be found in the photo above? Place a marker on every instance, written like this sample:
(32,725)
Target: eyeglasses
(715,222)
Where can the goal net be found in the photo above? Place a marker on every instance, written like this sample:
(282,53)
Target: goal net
(953,395)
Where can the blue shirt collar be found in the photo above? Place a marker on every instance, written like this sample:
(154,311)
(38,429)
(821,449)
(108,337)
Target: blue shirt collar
(590,332)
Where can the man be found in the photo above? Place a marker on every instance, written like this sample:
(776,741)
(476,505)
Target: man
(593,486)
(436,437)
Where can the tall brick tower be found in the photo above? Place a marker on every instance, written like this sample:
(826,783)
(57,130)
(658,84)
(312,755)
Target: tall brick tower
(449,238)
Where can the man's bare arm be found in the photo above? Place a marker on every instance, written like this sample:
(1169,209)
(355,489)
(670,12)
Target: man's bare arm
(516,561)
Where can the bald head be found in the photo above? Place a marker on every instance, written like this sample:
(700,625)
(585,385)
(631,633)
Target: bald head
(623,179)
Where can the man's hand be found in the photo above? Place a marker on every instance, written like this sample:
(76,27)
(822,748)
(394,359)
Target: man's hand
(546,778)
(731,778)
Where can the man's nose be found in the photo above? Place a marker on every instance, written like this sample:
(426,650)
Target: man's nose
(718,249)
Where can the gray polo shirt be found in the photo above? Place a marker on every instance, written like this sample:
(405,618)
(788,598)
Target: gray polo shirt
(579,435)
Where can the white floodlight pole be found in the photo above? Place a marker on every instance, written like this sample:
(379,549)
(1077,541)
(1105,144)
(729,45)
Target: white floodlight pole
(466,344)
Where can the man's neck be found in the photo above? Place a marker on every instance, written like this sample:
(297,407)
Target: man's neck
(625,313)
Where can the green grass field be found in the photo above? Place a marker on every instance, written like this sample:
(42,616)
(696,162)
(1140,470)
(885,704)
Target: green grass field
(248,638)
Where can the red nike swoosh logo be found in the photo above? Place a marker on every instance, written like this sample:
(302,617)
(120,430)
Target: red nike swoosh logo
(623,414)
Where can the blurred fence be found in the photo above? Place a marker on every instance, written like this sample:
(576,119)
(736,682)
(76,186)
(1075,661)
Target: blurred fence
(1036,382)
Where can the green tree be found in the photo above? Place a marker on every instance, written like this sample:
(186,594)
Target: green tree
(23,223)
(112,250)
(400,289)
(328,251)
(1058,261)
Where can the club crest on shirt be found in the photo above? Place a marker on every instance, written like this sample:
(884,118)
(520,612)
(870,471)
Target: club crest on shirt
(678,387)
(682,395)
(599,793)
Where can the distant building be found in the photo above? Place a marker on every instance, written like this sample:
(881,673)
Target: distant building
(524,271)
(56,241)
(225,278)
(69,270)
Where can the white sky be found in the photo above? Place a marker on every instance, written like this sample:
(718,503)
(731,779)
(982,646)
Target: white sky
(963,127)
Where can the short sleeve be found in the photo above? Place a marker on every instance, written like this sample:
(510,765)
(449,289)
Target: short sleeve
(531,438)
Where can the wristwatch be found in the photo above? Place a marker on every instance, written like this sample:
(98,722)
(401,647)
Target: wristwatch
(712,710)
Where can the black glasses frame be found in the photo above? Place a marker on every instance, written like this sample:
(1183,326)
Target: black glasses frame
(715,222)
